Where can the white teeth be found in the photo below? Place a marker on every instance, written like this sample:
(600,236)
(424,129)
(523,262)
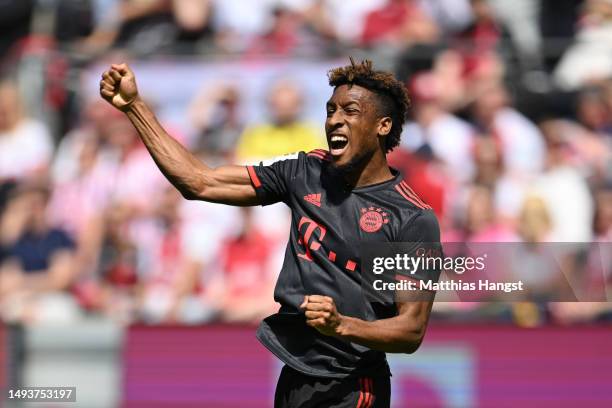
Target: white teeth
(338,139)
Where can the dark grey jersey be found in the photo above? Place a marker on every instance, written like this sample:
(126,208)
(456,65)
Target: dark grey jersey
(329,220)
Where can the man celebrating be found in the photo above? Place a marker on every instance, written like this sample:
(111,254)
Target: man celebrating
(332,340)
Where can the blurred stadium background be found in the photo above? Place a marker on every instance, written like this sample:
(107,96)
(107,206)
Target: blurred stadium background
(111,282)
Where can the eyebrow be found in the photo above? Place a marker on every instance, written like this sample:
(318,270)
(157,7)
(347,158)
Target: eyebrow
(332,104)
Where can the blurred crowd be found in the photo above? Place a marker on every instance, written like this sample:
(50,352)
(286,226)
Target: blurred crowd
(509,140)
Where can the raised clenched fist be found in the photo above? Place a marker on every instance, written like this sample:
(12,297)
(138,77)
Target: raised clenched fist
(118,86)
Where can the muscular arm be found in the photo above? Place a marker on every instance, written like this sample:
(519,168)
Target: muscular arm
(399,334)
(194,179)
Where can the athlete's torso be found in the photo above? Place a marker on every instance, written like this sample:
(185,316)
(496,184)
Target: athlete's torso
(329,222)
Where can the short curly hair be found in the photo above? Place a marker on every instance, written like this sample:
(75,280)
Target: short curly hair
(392,94)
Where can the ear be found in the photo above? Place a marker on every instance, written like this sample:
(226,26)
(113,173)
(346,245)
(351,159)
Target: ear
(384,126)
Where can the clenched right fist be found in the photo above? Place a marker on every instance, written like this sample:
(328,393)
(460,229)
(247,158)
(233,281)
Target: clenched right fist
(118,86)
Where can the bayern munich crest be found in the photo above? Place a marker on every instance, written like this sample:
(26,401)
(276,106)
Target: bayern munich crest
(372,219)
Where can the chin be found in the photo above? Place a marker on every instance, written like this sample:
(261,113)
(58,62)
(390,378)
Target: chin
(350,163)
(340,162)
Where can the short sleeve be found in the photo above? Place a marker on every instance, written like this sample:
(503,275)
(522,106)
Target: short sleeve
(422,236)
(423,227)
(273,179)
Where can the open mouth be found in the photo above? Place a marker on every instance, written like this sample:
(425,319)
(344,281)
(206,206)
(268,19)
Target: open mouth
(337,144)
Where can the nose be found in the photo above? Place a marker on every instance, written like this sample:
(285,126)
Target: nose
(333,121)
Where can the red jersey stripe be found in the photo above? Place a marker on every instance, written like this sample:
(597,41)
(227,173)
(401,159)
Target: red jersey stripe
(413,196)
(253,176)
(411,193)
(407,197)
(317,153)
(361,395)
(320,153)
(368,399)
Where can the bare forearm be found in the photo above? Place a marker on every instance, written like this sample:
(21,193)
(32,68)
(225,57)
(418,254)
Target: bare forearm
(400,334)
(180,166)
(394,335)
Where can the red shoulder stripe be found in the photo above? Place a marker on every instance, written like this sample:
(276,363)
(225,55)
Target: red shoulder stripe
(407,197)
(316,154)
(414,195)
(411,193)
(320,153)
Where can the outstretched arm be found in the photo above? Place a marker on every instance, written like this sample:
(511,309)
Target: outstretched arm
(194,179)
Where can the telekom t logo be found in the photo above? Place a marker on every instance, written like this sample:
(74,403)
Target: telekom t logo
(313,243)
(305,239)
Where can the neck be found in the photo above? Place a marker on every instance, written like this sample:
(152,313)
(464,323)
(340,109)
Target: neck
(371,170)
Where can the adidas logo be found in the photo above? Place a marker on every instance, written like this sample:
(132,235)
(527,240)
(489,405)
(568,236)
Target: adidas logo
(313,199)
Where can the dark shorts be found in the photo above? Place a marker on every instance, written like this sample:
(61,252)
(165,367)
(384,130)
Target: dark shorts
(297,390)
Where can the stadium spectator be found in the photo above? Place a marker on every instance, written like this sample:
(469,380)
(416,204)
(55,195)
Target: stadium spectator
(590,57)
(93,128)
(571,219)
(193,19)
(39,261)
(585,150)
(248,276)
(25,143)
(282,38)
(113,290)
(485,35)
(145,26)
(285,133)
(398,23)
(173,290)
(521,142)
(593,112)
(216,116)
(78,203)
(134,181)
(478,220)
(508,191)
(347,23)
(238,22)
(83,182)
(449,138)
(451,89)
(535,224)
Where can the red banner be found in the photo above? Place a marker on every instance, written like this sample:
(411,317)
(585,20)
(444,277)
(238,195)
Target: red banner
(457,366)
